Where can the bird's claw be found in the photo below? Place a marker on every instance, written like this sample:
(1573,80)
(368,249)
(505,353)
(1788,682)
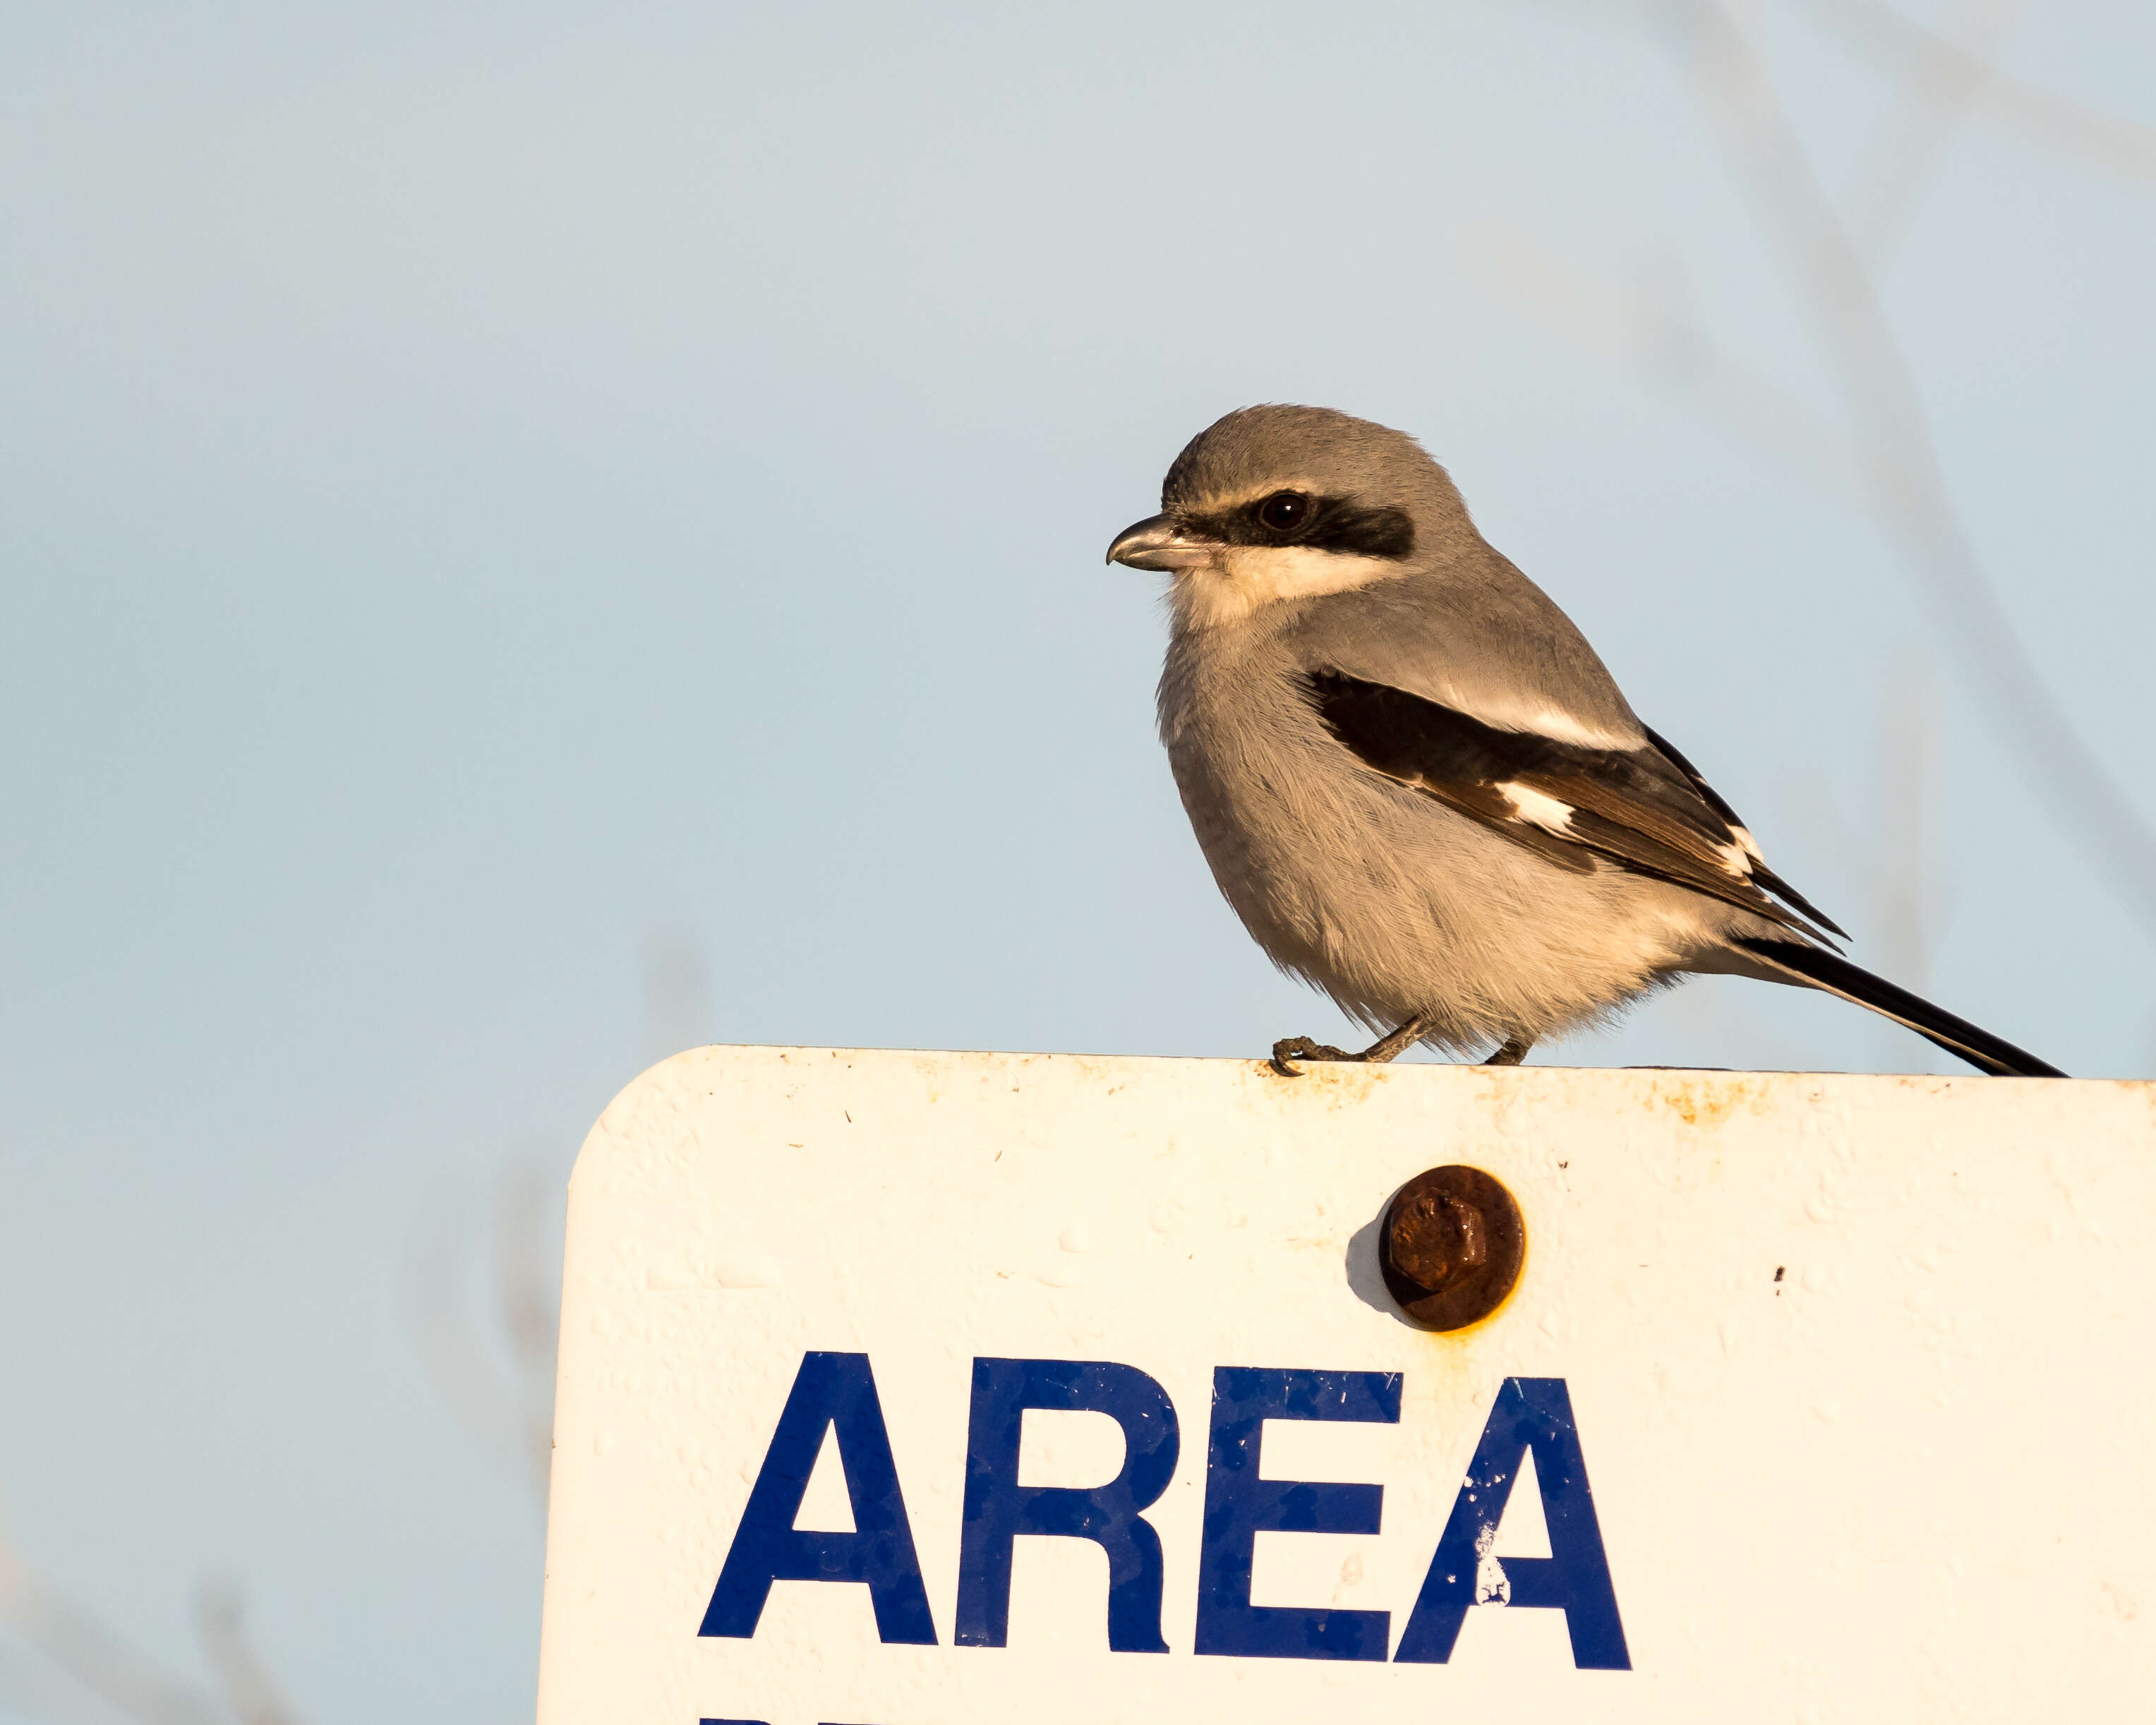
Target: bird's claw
(1301,1048)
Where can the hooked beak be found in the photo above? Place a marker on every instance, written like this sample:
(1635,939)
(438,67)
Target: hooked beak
(1158,543)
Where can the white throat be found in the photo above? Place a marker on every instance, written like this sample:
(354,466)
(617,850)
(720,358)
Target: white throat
(1243,578)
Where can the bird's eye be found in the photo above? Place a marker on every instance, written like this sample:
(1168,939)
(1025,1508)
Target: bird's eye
(1284,511)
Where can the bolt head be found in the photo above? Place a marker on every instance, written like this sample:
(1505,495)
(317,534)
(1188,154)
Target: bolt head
(1451,1246)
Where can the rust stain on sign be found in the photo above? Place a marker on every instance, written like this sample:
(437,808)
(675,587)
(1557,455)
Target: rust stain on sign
(1706,1100)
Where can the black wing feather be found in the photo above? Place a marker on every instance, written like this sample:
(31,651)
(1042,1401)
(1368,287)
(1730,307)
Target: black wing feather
(1646,810)
(1760,872)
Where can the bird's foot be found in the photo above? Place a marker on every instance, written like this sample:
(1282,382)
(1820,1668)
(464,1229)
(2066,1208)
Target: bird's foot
(1384,1049)
(1301,1048)
(1512,1051)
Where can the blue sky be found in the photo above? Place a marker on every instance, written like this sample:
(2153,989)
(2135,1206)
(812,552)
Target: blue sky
(492,501)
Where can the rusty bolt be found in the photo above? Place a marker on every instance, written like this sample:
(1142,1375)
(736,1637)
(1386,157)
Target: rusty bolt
(1451,1246)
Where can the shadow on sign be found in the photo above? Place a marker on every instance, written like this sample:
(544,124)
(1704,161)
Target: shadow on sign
(1365,1279)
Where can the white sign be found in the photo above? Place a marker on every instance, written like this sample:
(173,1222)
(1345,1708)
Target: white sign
(926,1389)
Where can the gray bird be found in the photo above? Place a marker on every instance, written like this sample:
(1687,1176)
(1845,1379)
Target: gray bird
(1417,784)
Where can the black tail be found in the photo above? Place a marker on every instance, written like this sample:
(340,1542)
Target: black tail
(1836,975)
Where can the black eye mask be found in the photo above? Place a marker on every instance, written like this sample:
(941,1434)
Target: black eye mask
(1333,524)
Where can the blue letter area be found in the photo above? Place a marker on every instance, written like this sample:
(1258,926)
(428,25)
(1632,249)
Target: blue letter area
(1531,1414)
(831,1390)
(998,1509)
(1240,1506)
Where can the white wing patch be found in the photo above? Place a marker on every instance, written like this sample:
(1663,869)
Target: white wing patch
(1553,815)
(1564,727)
(1488,707)
(1538,808)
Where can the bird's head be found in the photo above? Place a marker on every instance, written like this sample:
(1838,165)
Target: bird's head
(1272,503)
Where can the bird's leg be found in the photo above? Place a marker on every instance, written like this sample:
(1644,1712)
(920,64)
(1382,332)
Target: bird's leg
(1390,1047)
(1512,1051)
(1386,1048)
